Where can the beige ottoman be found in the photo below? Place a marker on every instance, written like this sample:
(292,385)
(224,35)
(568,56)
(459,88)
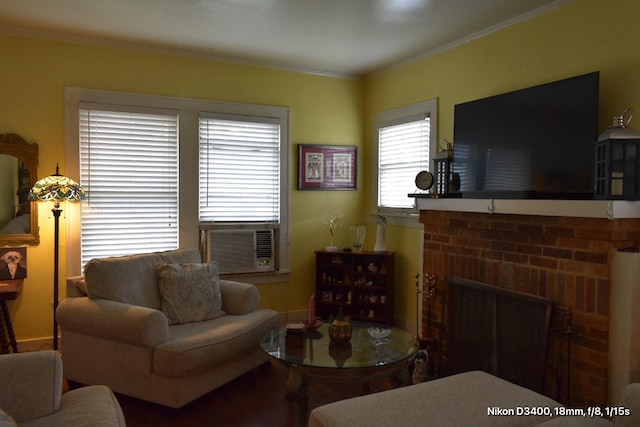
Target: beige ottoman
(468,399)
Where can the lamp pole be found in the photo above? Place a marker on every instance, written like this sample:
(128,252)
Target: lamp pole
(56,255)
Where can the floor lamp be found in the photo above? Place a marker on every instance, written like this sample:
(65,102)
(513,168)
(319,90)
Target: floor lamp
(56,188)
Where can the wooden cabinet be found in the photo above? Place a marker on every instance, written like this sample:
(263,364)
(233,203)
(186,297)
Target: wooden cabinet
(361,284)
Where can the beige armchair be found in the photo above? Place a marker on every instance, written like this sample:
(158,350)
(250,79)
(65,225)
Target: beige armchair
(127,308)
(31,395)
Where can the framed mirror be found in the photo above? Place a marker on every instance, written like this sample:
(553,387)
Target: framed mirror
(18,173)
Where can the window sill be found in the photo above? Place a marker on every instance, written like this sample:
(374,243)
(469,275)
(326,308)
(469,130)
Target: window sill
(405,219)
(259,278)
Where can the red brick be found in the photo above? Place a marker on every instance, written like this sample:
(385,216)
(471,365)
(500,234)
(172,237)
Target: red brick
(602,297)
(557,253)
(592,257)
(441,238)
(503,246)
(432,246)
(574,243)
(550,263)
(515,258)
(504,226)
(542,240)
(559,231)
(529,229)
(531,254)
(528,249)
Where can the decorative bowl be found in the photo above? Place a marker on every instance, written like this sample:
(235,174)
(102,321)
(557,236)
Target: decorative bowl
(340,329)
(378,332)
(340,332)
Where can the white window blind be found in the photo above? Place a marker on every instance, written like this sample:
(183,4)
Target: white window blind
(239,169)
(403,151)
(129,169)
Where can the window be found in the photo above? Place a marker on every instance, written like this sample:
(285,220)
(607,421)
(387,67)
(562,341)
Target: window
(129,167)
(139,158)
(240,191)
(405,142)
(239,159)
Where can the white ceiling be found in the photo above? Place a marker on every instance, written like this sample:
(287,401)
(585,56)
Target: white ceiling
(343,37)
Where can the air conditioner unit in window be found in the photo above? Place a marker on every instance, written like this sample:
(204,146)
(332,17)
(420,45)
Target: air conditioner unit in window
(240,251)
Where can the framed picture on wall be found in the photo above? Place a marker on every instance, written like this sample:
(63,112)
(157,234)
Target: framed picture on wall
(13,263)
(327,167)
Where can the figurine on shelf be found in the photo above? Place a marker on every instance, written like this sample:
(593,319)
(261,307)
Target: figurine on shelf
(420,367)
(331,222)
(380,245)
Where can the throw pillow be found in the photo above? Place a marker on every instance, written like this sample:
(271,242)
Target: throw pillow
(190,292)
(6,420)
(80,284)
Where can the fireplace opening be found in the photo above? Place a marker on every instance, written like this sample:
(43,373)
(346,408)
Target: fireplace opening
(498,331)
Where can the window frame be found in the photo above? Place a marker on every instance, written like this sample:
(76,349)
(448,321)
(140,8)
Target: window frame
(189,110)
(402,216)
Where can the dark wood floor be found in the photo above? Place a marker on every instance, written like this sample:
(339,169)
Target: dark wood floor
(257,399)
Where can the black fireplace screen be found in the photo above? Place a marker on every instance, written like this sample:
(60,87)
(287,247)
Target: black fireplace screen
(498,331)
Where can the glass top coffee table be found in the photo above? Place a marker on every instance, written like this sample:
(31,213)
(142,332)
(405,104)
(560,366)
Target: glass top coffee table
(313,355)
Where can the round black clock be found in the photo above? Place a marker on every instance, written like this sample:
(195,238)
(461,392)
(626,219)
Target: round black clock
(424,180)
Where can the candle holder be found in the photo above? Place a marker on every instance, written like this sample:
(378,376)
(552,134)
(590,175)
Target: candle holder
(315,324)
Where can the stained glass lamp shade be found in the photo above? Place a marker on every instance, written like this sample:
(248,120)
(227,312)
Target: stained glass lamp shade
(56,188)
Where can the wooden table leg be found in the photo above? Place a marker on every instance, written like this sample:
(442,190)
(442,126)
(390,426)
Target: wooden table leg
(7,321)
(296,386)
(403,377)
(297,390)
(4,326)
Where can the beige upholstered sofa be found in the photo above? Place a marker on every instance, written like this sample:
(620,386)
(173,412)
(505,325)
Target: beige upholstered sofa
(470,399)
(31,394)
(141,330)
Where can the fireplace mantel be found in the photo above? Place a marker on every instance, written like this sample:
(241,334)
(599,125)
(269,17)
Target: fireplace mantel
(611,209)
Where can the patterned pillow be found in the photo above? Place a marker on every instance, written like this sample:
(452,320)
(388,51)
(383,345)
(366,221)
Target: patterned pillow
(190,292)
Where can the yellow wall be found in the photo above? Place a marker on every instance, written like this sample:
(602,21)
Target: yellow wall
(34,72)
(584,36)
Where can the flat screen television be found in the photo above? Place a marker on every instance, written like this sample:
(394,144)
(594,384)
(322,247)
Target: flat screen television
(534,143)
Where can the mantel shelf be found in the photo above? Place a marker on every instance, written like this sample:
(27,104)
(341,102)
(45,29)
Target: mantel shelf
(611,209)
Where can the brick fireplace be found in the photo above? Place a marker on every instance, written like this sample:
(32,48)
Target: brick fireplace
(565,259)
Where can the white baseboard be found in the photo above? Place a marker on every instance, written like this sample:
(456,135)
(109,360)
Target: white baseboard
(39,344)
(293,317)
